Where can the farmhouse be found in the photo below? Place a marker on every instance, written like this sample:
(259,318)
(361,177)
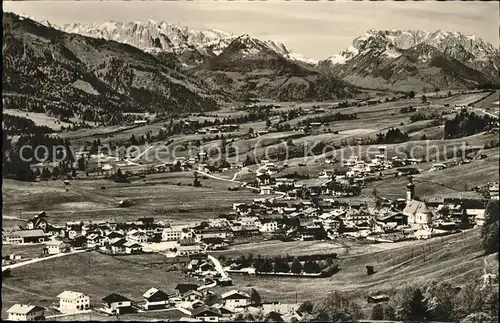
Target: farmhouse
(214,232)
(187,247)
(155,299)
(37,222)
(132,247)
(184,288)
(73,302)
(95,240)
(25,236)
(117,245)
(117,304)
(74,229)
(56,246)
(22,312)
(235,299)
(137,236)
(206,314)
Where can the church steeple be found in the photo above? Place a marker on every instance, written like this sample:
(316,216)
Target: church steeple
(410,189)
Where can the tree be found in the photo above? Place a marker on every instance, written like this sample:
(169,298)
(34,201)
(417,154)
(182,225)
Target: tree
(449,94)
(338,308)
(489,231)
(424,99)
(411,94)
(296,267)
(306,307)
(255,297)
(389,313)
(479,317)
(441,299)
(411,305)
(268,123)
(377,312)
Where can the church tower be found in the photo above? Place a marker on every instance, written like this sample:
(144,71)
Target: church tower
(410,189)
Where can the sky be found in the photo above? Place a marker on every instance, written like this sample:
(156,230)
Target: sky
(313,29)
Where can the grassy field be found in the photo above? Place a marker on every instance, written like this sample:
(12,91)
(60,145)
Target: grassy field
(444,182)
(85,199)
(95,274)
(27,251)
(40,119)
(456,258)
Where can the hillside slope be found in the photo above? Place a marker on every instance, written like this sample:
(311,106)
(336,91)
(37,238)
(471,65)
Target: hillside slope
(250,67)
(46,70)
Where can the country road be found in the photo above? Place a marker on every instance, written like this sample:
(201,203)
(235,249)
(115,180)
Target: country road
(32,261)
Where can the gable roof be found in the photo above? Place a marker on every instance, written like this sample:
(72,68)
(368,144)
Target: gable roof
(27,233)
(24,309)
(206,311)
(235,294)
(413,207)
(114,235)
(114,298)
(184,287)
(70,295)
(155,292)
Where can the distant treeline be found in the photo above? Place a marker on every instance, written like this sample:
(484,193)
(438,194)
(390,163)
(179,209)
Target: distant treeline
(467,124)
(14,125)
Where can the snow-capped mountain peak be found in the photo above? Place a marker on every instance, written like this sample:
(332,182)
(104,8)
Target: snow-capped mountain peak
(156,36)
(468,49)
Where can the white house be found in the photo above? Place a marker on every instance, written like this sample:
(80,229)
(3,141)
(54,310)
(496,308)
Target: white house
(56,246)
(95,240)
(268,225)
(117,304)
(265,190)
(172,233)
(73,302)
(235,300)
(155,299)
(22,312)
(137,236)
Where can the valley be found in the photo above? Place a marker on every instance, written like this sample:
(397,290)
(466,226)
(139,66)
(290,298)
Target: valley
(157,172)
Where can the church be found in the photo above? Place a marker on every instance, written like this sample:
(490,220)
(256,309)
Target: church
(417,212)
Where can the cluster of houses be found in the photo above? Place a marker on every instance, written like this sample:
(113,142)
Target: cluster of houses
(189,302)
(219,129)
(312,217)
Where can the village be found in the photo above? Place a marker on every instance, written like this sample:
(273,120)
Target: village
(285,209)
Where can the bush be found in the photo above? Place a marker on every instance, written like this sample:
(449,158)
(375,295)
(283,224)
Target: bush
(377,312)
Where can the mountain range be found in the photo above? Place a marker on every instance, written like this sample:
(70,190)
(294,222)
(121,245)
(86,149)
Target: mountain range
(417,60)
(377,59)
(99,70)
(47,70)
